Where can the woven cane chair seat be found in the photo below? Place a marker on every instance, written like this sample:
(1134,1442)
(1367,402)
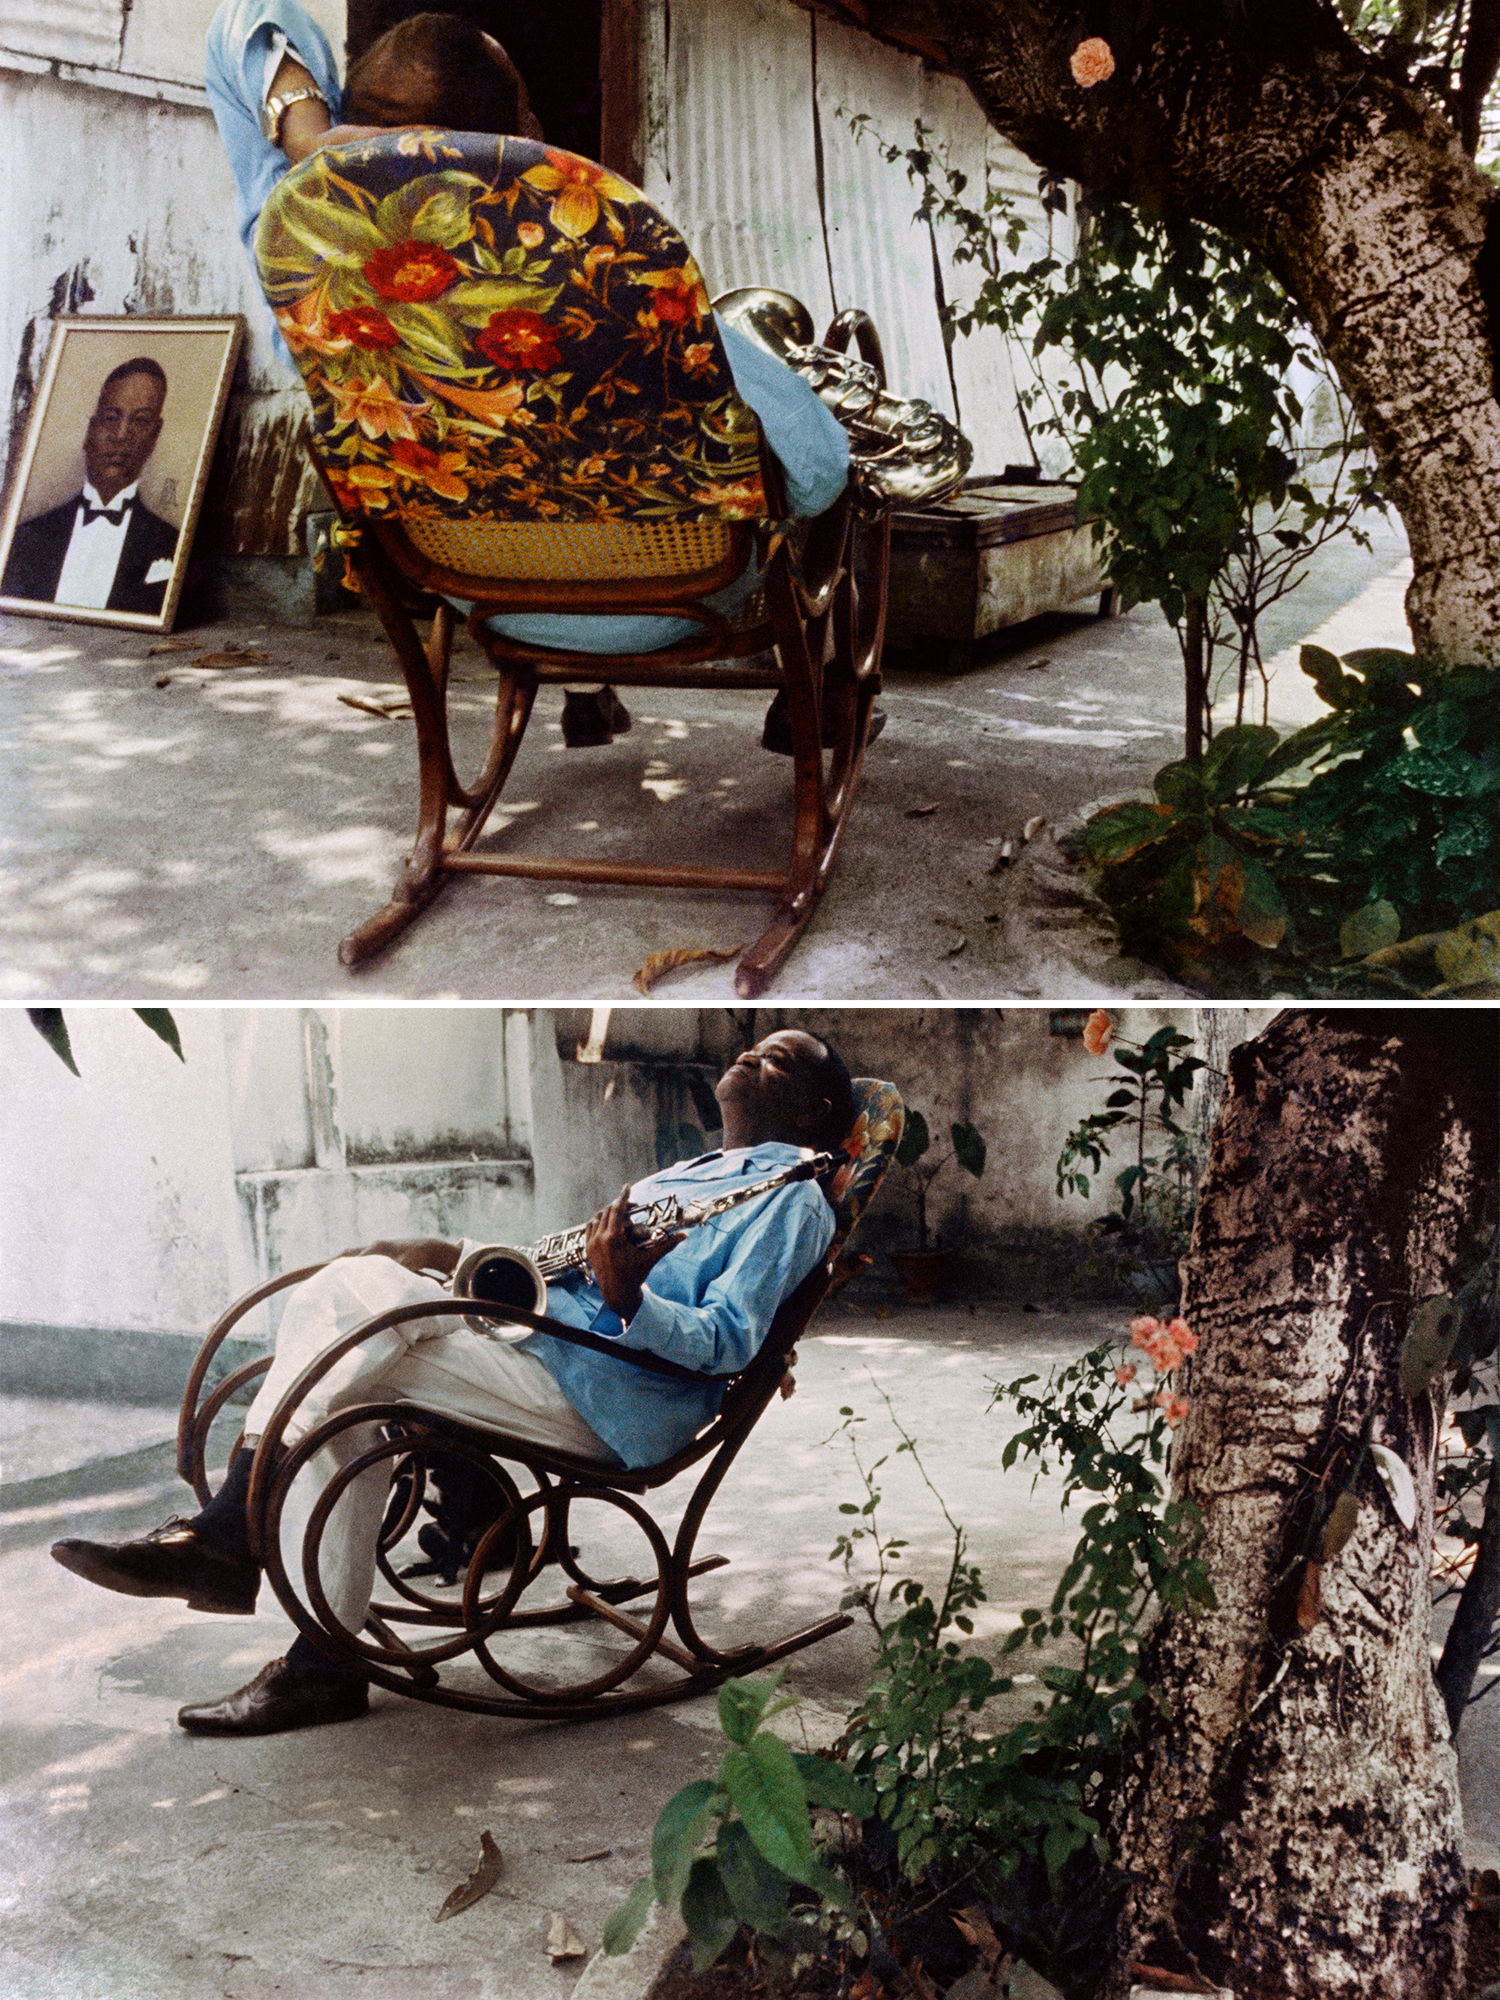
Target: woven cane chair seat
(571,551)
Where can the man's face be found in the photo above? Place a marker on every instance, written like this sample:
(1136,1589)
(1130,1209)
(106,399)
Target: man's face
(774,1091)
(122,433)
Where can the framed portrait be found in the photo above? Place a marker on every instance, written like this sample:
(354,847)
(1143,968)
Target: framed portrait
(100,517)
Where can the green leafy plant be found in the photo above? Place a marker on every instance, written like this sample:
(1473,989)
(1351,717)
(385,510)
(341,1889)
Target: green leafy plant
(1175,408)
(912,1154)
(734,1850)
(1014,1813)
(1361,852)
(1136,1246)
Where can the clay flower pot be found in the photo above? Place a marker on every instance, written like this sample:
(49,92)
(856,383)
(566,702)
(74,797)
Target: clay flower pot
(923,1273)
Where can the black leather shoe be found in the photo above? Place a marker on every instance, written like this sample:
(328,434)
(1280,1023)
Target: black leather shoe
(592,717)
(280,1697)
(172,1561)
(776,732)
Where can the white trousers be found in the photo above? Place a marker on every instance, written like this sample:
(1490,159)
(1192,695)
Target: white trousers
(440,1363)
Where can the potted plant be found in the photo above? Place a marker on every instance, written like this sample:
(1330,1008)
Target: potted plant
(922,1271)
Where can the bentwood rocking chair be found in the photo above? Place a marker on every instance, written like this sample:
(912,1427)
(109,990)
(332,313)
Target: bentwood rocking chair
(521,403)
(536,1497)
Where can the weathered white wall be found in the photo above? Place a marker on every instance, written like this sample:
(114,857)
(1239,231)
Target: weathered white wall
(741,97)
(146,1193)
(117,199)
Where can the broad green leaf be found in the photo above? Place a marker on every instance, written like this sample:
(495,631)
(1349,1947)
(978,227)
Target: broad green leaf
(678,1836)
(915,1139)
(1428,1344)
(1118,832)
(1181,785)
(768,1795)
(756,1889)
(1477,1423)
(741,1706)
(1440,725)
(307,225)
(1454,774)
(1234,758)
(159,1021)
(709,1914)
(1383,663)
(624,1925)
(969,1149)
(53,1029)
(1467,833)
(1261,913)
(834,1786)
(1371,928)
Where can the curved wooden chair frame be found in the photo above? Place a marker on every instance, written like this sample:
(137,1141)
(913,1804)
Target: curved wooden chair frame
(823,625)
(529,1535)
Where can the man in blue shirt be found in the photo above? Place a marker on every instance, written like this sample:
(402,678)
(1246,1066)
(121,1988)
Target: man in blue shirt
(276,99)
(704,1299)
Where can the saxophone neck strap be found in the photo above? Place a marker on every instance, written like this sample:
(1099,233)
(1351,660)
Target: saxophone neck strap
(577,1336)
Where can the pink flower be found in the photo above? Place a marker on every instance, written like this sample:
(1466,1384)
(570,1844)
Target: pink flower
(1098,1032)
(1183,1334)
(1126,1372)
(1142,1329)
(1092,62)
(1174,1408)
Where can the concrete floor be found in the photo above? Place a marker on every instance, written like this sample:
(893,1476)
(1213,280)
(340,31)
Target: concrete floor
(143,1864)
(180,832)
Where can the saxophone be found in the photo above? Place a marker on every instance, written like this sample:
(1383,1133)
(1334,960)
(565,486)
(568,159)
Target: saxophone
(497,1275)
(902,453)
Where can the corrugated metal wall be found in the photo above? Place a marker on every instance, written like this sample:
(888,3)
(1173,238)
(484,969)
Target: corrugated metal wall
(751,150)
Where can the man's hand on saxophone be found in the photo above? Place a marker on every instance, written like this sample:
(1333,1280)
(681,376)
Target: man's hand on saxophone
(620,1264)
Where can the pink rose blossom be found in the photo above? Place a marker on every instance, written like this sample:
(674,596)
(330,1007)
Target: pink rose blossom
(1126,1372)
(1092,62)
(1098,1032)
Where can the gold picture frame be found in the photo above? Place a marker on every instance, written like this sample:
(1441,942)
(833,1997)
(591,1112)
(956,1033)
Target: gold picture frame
(128,411)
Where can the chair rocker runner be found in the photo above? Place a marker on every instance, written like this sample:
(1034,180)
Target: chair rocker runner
(521,403)
(531,1533)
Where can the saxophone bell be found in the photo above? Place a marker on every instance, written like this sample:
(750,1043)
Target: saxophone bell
(497,1275)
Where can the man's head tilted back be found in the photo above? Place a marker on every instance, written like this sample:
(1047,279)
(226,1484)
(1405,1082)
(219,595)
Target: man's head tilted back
(126,423)
(439,69)
(792,1086)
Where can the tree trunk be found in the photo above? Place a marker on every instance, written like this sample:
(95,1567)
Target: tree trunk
(1269,123)
(1292,1821)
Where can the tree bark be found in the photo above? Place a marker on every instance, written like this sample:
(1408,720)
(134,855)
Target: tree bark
(1291,1818)
(1269,123)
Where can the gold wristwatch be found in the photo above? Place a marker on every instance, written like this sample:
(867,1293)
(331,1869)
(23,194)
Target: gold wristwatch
(275,109)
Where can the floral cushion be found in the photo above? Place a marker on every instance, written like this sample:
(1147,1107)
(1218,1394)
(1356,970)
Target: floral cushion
(491,328)
(871,1145)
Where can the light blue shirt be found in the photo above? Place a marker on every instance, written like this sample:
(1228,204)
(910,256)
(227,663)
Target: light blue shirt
(707,1305)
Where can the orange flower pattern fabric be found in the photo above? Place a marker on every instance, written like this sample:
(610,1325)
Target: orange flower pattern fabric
(879,1118)
(494,327)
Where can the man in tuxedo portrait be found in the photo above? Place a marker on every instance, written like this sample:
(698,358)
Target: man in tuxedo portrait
(104,550)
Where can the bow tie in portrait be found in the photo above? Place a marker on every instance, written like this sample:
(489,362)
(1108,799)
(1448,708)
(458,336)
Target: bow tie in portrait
(114,515)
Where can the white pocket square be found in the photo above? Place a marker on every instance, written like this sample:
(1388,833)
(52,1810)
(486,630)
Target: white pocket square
(160,571)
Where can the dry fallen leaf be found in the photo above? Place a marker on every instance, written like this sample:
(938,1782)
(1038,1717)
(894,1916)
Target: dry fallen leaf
(595,1854)
(660,963)
(480,1883)
(563,1942)
(920,812)
(1033,665)
(1310,1596)
(1004,858)
(1033,826)
(954,949)
(178,645)
(389,710)
(1174,1982)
